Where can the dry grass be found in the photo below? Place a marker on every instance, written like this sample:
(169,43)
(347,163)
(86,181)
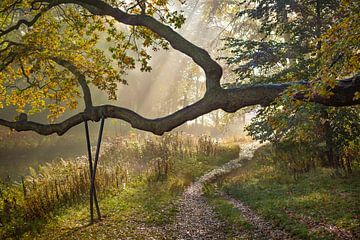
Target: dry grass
(66,182)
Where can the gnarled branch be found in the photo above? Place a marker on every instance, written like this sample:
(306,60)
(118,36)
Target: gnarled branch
(215,97)
(25,22)
(229,100)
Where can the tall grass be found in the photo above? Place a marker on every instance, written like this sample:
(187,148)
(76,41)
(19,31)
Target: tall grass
(123,159)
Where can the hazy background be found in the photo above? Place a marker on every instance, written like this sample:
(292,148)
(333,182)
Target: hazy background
(174,82)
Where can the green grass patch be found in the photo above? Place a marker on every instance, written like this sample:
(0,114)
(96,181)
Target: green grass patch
(142,205)
(235,222)
(193,167)
(316,196)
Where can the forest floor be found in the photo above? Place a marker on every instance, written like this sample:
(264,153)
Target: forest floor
(216,207)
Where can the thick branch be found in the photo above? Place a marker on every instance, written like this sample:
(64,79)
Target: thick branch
(229,100)
(263,94)
(212,69)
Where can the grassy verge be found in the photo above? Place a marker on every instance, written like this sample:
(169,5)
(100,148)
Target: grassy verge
(299,206)
(139,211)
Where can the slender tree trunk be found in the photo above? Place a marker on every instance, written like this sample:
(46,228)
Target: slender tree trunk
(331,153)
(332,156)
(318,23)
(348,166)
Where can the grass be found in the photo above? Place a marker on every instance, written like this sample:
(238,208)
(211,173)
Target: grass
(235,222)
(143,208)
(141,211)
(136,212)
(298,206)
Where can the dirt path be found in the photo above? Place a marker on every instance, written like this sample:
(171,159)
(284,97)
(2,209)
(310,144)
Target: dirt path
(196,219)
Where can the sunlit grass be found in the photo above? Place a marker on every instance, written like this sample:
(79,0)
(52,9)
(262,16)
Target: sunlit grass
(136,179)
(315,197)
(141,204)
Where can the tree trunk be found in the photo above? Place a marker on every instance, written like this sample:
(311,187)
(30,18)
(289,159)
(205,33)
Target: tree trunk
(332,155)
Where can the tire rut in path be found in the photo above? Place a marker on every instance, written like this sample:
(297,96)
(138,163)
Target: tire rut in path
(263,228)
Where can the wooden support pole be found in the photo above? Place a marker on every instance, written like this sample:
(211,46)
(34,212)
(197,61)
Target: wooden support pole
(92,187)
(93,195)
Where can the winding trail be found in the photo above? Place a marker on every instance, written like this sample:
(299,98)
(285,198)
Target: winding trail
(197,220)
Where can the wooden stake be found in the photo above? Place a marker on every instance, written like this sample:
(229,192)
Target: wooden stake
(93,195)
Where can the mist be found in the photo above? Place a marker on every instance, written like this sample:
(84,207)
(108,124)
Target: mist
(173,83)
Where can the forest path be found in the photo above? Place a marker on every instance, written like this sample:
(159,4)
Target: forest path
(196,219)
